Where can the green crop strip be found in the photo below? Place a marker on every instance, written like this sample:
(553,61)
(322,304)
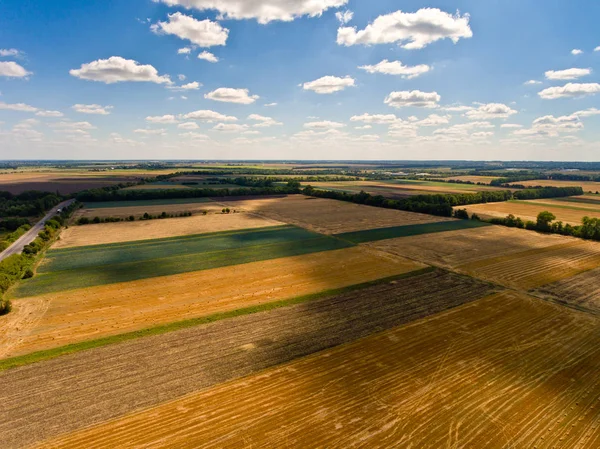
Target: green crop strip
(373,235)
(179,325)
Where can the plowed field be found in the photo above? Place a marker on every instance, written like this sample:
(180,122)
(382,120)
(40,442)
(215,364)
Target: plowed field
(505,371)
(581,291)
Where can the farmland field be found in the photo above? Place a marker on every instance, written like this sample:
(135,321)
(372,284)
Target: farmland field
(581,291)
(145,203)
(475,179)
(504,371)
(244,345)
(139,210)
(587,186)
(92,312)
(528,210)
(155,229)
(329,216)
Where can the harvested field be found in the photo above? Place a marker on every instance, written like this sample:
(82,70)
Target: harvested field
(102,234)
(454,248)
(139,211)
(372,235)
(90,313)
(85,266)
(534,268)
(475,179)
(581,292)
(504,371)
(329,216)
(529,210)
(575,203)
(581,200)
(587,186)
(140,374)
(145,203)
(170,186)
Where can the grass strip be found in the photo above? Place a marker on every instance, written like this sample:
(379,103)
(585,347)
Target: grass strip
(142,203)
(558,206)
(49,354)
(373,235)
(581,200)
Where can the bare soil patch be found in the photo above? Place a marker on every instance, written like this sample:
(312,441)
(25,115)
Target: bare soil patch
(581,291)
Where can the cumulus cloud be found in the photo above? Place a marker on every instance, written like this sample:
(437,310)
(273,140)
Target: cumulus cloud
(551,126)
(378,119)
(368,138)
(163,119)
(92,109)
(325,124)
(588,112)
(490,111)
(576,51)
(397,68)
(11,69)
(229,95)
(329,84)
(4,52)
(20,107)
(363,127)
(82,126)
(49,114)
(264,11)
(204,33)
(344,16)
(184,51)
(568,74)
(532,82)
(414,98)
(597,48)
(511,126)
(230,127)
(410,30)
(208,56)
(463,129)
(270,105)
(188,125)
(434,120)
(117,69)
(150,132)
(208,116)
(570,90)
(458,108)
(195,85)
(194,135)
(263,122)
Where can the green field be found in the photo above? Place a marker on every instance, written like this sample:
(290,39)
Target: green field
(373,235)
(80,267)
(560,206)
(164,202)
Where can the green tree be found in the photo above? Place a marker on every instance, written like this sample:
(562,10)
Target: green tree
(544,219)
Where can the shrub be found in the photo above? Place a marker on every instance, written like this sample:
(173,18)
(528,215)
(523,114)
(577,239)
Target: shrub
(28,273)
(5,306)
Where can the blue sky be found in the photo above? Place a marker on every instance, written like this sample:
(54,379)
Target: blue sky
(284,79)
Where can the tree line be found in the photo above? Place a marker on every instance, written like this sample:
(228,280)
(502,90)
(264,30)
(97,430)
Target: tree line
(27,204)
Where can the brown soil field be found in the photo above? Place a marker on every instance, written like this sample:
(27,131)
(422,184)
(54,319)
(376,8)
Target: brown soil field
(402,190)
(141,372)
(475,179)
(531,269)
(587,186)
(594,206)
(529,211)
(329,216)
(507,371)
(581,291)
(99,234)
(90,313)
(138,211)
(157,187)
(454,248)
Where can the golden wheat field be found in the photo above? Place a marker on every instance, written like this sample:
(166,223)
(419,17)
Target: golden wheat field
(587,186)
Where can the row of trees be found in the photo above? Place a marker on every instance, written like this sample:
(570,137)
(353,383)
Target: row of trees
(14,236)
(589,228)
(146,216)
(27,204)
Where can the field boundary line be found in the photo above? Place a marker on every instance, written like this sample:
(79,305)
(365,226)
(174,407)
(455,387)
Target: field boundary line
(53,353)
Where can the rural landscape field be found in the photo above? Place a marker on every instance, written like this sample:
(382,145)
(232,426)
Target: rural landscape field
(290,224)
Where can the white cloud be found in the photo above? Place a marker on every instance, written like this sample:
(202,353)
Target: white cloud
(81,126)
(117,139)
(588,112)
(150,132)
(270,105)
(597,48)
(264,122)
(463,129)
(208,116)
(208,56)
(21,107)
(188,125)
(411,30)
(344,17)
(570,90)
(164,119)
(368,138)
(397,68)
(11,69)
(49,114)
(195,85)
(184,51)
(482,135)
(576,51)
(568,74)
(117,69)
(230,127)
(378,119)
(229,95)
(511,126)
(325,124)
(204,33)
(414,98)
(490,111)
(532,82)
(92,109)
(434,120)
(458,108)
(4,52)
(264,11)
(181,77)
(363,127)
(308,134)
(194,135)
(329,84)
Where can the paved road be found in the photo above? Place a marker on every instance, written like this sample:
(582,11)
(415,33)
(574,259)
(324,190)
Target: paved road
(29,236)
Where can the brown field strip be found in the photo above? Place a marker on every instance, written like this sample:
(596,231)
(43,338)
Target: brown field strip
(581,291)
(475,179)
(138,211)
(504,371)
(453,248)
(329,216)
(531,269)
(530,211)
(90,313)
(104,233)
(588,186)
(89,387)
